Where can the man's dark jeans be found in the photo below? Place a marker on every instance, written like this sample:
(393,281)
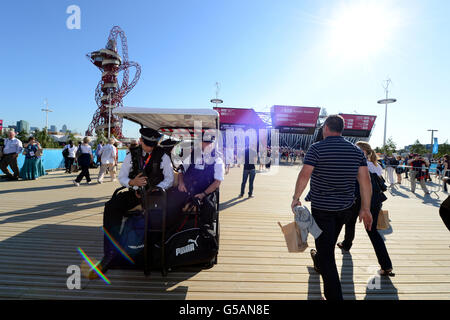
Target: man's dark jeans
(245,176)
(330,222)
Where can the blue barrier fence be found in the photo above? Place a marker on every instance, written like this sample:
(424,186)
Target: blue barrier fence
(53,159)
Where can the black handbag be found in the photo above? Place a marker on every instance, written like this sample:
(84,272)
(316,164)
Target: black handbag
(381,182)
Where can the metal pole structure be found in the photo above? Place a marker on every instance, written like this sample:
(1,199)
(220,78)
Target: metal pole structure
(217,100)
(109,114)
(386,102)
(46,110)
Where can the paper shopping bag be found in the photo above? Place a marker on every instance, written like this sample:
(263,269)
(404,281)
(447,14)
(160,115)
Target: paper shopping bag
(383,220)
(293,237)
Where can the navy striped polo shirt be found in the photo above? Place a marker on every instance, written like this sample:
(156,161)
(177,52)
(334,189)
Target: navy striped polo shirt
(336,162)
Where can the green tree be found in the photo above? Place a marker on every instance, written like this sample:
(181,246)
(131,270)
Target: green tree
(23,136)
(390,147)
(45,139)
(71,136)
(443,149)
(100,138)
(418,148)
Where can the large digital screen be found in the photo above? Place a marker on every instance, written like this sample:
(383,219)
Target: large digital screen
(358,122)
(357,125)
(239,118)
(293,119)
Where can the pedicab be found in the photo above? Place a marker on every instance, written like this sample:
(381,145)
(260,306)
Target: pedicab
(195,240)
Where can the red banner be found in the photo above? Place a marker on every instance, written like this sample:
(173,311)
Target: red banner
(295,117)
(1,125)
(239,117)
(358,122)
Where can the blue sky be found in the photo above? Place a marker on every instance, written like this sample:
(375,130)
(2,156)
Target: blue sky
(332,54)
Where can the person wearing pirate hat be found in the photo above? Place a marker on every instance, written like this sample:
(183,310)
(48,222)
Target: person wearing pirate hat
(146,165)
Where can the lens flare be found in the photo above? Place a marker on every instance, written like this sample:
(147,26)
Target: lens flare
(93,266)
(118,247)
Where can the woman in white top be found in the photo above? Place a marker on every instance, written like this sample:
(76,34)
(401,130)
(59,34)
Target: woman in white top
(108,161)
(84,160)
(72,150)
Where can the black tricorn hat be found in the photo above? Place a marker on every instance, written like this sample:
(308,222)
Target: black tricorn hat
(149,136)
(169,143)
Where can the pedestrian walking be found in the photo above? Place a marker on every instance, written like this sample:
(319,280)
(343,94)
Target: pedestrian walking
(418,173)
(333,165)
(84,160)
(108,161)
(13,147)
(376,204)
(32,167)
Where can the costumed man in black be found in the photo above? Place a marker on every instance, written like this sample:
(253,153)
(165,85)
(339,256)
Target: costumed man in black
(201,176)
(157,172)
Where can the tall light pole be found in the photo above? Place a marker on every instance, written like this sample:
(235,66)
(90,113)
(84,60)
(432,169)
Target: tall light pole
(217,100)
(386,102)
(46,110)
(109,115)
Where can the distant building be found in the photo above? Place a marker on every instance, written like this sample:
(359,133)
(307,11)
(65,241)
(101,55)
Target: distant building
(23,125)
(34,129)
(13,128)
(64,129)
(53,128)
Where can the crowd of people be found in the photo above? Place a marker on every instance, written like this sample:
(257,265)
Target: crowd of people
(11,147)
(416,168)
(291,155)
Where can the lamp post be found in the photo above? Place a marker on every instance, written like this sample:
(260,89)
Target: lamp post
(386,102)
(217,100)
(109,113)
(46,110)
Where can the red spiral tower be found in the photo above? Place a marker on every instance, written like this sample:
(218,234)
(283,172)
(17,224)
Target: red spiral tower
(109,94)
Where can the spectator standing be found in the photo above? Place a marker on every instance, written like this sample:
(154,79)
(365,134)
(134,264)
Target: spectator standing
(32,167)
(376,204)
(98,152)
(108,161)
(248,172)
(334,165)
(391,164)
(398,169)
(417,173)
(13,147)
(84,160)
(77,156)
(71,153)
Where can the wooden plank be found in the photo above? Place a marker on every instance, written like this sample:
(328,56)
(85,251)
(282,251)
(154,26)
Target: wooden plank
(39,235)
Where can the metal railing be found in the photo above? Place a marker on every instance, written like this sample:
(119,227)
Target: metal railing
(433,182)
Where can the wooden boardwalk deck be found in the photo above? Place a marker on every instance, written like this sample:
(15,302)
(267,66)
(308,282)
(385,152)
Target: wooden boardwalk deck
(43,222)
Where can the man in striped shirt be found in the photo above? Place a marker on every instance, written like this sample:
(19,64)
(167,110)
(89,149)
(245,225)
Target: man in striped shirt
(333,165)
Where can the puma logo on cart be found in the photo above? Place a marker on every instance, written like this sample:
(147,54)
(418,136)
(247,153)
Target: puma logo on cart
(189,248)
